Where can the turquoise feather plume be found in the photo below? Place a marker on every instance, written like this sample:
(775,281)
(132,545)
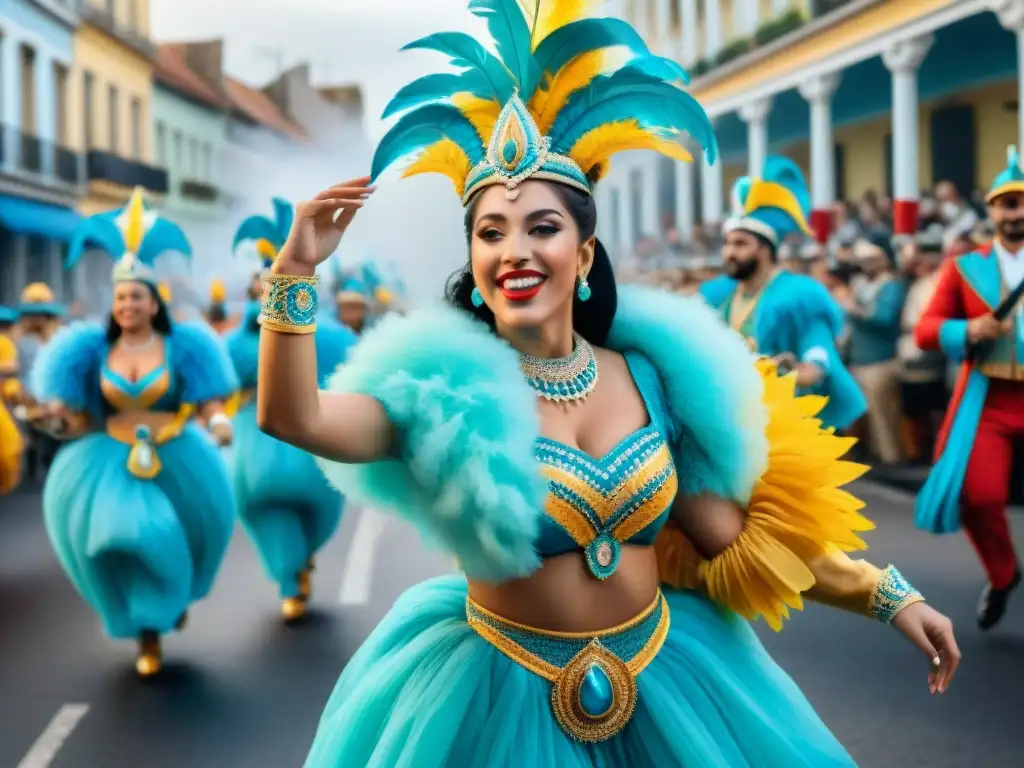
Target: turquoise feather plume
(512,36)
(102,232)
(785,172)
(650,101)
(285,214)
(440,87)
(259,227)
(421,128)
(466,52)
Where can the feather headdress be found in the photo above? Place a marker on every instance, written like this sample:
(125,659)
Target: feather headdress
(773,205)
(1010,180)
(133,236)
(269,235)
(550,105)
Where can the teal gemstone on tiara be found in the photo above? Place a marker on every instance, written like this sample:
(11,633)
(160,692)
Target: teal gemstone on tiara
(509,151)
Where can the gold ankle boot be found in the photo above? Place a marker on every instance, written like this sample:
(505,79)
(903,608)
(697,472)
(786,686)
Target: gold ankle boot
(149,662)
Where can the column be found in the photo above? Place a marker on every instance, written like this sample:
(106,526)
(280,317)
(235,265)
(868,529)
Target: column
(10,106)
(685,208)
(712,29)
(46,110)
(903,60)
(755,115)
(1011,16)
(779,7)
(712,198)
(746,14)
(650,216)
(690,44)
(663,16)
(819,91)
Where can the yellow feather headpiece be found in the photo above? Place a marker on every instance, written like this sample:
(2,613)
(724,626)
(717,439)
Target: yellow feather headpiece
(554,104)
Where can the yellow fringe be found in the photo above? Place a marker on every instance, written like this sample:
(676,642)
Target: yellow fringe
(445,157)
(557,88)
(555,14)
(798,513)
(482,113)
(597,146)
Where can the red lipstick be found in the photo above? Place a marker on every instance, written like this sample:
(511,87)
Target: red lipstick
(521,284)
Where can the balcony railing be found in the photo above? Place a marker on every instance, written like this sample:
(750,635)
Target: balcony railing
(41,162)
(199,191)
(106,21)
(104,166)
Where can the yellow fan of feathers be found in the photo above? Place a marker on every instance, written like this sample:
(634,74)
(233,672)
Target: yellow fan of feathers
(482,113)
(554,14)
(595,147)
(445,157)
(797,514)
(549,99)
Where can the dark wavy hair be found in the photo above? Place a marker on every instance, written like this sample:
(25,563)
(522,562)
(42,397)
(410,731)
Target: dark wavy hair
(592,319)
(161,320)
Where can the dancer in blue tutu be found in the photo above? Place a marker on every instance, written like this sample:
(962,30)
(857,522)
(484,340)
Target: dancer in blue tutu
(137,504)
(285,504)
(622,485)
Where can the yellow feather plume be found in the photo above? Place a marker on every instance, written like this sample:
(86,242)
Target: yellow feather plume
(549,99)
(482,113)
(266,249)
(555,14)
(218,291)
(596,146)
(135,226)
(165,292)
(445,157)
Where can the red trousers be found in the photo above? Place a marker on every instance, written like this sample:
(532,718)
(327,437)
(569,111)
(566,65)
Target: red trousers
(987,482)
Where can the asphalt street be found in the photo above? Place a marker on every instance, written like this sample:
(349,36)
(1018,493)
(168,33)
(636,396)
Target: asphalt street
(241,689)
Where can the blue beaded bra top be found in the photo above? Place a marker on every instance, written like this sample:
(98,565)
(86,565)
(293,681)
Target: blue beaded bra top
(598,504)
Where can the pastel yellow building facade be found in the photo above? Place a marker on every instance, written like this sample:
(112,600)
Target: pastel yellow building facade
(111,98)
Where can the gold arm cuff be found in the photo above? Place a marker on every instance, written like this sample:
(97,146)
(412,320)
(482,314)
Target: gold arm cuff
(290,303)
(276,327)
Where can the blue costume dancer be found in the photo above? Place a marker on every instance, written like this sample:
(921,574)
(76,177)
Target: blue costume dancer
(138,504)
(286,507)
(783,315)
(566,482)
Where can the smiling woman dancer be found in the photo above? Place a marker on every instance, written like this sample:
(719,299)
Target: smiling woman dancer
(137,504)
(609,467)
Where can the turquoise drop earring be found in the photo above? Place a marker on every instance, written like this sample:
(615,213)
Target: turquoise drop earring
(476,297)
(582,288)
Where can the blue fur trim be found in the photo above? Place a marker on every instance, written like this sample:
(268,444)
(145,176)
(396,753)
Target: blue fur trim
(713,390)
(68,368)
(467,424)
(201,363)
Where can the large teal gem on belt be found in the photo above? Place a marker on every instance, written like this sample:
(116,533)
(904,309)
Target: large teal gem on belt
(597,697)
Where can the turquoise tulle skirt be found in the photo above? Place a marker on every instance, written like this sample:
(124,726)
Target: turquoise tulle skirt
(426,691)
(139,551)
(284,503)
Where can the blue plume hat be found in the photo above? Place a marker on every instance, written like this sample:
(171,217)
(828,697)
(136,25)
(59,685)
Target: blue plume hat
(268,234)
(352,290)
(133,236)
(774,205)
(550,105)
(8,315)
(1009,180)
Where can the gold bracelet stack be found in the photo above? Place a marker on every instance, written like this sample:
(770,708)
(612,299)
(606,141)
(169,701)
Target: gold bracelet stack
(290,303)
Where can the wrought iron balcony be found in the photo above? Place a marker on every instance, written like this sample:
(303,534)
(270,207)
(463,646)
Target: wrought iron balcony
(200,191)
(107,21)
(105,166)
(25,155)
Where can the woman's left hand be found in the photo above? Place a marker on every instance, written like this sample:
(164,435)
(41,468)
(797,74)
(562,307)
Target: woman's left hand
(932,632)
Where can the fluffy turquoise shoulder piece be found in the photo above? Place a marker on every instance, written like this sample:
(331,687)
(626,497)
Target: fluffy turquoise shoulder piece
(466,475)
(201,364)
(714,392)
(68,368)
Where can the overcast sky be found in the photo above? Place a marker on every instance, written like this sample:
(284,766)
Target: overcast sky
(343,40)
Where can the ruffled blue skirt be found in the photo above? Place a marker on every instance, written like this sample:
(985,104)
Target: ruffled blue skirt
(426,691)
(284,502)
(139,551)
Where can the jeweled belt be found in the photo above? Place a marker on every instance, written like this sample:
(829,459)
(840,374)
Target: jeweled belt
(593,674)
(144,431)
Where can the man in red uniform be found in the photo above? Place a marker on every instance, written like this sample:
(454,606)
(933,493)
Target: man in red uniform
(974,455)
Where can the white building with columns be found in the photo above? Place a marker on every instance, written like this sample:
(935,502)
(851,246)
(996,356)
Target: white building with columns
(883,96)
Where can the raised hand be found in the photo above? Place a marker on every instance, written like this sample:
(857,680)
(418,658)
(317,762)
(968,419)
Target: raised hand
(319,225)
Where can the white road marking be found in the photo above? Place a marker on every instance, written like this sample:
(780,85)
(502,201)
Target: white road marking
(52,739)
(359,562)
